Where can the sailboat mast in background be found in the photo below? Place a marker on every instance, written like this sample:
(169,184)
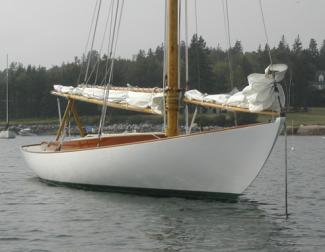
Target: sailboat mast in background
(7,133)
(7,95)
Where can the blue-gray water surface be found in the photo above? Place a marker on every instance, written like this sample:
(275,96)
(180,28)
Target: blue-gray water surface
(37,217)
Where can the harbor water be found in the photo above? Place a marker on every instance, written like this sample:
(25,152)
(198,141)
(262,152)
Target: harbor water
(38,217)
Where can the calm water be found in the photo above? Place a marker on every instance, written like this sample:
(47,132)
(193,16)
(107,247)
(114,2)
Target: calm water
(38,217)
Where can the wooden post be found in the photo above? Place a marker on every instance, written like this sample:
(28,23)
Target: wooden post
(172,101)
(77,119)
(64,119)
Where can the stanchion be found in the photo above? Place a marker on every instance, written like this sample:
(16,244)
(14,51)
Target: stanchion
(286,168)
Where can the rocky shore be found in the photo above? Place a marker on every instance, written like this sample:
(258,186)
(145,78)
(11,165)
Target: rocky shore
(50,129)
(307,130)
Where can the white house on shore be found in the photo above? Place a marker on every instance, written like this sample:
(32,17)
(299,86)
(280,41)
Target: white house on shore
(319,82)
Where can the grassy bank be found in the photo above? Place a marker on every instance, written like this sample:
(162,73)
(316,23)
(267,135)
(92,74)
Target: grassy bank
(314,116)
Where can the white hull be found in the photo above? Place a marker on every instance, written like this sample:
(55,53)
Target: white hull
(6,134)
(26,132)
(216,162)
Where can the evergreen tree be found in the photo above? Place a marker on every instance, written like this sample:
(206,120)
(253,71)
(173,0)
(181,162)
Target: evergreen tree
(283,45)
(30,86)
(199,66)
(237,48)
(313,50)
(322,56)
(297,46)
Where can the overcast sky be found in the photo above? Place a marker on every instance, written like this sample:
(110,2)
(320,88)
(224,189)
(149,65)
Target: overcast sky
(48,32)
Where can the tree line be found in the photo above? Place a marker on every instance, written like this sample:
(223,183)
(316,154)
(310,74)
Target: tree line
(209,71)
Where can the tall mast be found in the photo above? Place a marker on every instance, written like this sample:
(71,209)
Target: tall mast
(172,100)
(7,93)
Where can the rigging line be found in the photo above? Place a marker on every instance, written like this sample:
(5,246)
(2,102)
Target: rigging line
(186,48)
(179,51)
(286,168)
(109,53)
(196,23)
(117,34)
(197,49)
(114,47)
(7,92)
(165,65)
(93,41)
(106,93)
(115,37)
(112,64)
(265,32)
(179,40)
(227,31)
(59,109)
(109,58)
(106,27)
(87,43)
(97,64)
(186,66)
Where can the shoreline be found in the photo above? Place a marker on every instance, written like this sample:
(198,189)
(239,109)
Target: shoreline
(306,130)
(50,129)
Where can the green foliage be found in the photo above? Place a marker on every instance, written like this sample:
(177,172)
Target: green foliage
(30,86)
(200,67)
(314,116)
(225,119)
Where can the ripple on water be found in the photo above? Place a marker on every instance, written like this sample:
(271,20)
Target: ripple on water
(40,217)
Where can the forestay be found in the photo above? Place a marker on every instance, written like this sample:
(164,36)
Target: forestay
(148,100)
(264,93)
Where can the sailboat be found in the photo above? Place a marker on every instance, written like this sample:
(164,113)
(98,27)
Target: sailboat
(7,132)
(214,163)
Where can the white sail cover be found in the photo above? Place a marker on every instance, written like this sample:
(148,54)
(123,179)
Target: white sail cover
(263,92)
(152,100)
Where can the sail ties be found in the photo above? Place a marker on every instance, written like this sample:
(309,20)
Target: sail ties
(277,72)
(259,95)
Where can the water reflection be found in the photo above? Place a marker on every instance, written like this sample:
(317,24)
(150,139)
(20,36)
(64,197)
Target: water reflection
(168,224)
(36,216)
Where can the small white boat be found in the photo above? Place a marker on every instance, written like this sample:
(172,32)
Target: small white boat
(6,134)
(26,132)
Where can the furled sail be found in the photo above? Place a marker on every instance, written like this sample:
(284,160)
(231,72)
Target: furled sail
(147,100)
(264,93)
